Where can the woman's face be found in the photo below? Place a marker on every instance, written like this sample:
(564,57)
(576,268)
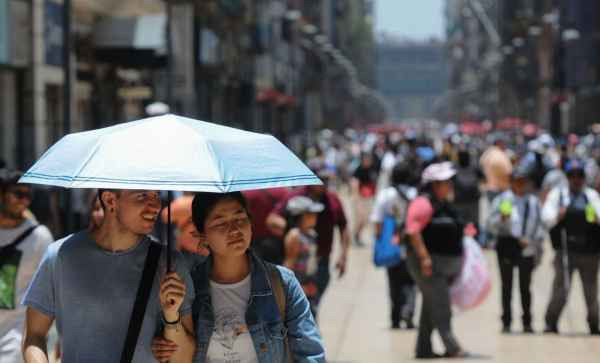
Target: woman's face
(308,221)
(227,229)
(443,190)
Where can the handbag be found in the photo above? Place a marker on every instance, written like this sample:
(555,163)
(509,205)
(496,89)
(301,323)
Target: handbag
(386,253)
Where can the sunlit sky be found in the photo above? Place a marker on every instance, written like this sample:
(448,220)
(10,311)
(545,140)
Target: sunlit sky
(414,19)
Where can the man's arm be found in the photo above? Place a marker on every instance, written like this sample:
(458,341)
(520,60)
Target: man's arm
(377,227)
(345,241)
(551,208)
(418,216)
(354,187)
(37,325)
(291,245)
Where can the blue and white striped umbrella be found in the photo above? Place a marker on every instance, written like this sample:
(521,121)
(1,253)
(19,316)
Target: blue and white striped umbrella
(170,152)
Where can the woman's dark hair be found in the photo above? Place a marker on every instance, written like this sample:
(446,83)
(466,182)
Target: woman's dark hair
(464,159)
(8,178)
(205,202)
(402,174)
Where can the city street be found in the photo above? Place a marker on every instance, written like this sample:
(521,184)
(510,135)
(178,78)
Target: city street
(355,324)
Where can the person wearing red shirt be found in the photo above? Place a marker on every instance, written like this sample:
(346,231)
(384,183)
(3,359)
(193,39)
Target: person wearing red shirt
(331,217)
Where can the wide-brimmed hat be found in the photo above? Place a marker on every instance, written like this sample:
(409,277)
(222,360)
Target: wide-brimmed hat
(438,172)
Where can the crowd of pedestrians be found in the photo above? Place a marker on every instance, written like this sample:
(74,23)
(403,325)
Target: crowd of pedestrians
(252,268)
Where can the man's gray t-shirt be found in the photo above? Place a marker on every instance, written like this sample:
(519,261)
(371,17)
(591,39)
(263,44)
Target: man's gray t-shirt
(91,293)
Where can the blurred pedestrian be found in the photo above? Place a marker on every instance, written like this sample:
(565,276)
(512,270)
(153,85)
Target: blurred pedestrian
(260,203)
(96,213)
(466,188)
(515,221)
(434,257)
(301,246)
(22,245)
(332,217)
(573,215)
(181,218)
(393,201)
(497,168)
(364,185)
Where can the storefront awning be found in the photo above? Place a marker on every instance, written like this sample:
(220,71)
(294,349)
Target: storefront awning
(146,32)
(133,42)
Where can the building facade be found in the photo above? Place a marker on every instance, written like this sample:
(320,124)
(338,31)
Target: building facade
(413,77)
(276,66)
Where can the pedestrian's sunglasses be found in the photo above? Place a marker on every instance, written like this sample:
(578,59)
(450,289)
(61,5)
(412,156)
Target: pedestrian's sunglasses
(22,194)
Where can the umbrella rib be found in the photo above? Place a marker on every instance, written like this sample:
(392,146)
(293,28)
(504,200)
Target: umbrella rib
(88,159)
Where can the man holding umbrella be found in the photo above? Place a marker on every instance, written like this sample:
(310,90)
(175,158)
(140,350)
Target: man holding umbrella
(87,283)
(572,214)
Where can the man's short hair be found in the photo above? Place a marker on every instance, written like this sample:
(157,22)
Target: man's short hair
(8,178)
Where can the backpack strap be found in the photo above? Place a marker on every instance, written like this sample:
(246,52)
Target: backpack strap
(141,302)
(525,217)
(402,194)
(280,298)
(20,238)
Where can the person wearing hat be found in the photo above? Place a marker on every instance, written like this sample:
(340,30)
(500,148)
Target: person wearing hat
(434,256)
(301,245)
(328,220)
(572,215)
(515,221)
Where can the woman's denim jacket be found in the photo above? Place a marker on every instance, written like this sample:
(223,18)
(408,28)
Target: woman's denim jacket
(266,328)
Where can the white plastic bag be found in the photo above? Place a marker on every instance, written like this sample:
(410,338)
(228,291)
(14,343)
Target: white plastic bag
(473,285)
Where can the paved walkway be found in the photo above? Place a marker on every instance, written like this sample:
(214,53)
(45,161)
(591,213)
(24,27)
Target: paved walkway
(355,324)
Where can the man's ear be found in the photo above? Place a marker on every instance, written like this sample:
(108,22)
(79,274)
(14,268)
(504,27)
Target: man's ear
(109,200)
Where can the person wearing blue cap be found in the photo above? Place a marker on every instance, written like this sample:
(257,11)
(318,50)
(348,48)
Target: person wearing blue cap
(572,215)
(515,222)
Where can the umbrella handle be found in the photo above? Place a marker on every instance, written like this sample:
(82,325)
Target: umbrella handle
(169,242)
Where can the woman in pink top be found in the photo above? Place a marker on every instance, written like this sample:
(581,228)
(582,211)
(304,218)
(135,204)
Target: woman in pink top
(434,257)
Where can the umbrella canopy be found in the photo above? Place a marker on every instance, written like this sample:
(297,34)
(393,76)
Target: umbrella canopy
(170,152)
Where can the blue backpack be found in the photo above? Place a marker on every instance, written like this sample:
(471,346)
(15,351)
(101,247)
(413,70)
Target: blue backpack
(385,253)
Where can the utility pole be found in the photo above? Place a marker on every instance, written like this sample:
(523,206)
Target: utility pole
(169,44)
(67,220)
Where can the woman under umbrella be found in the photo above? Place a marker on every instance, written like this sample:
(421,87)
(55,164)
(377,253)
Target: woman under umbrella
(238,313)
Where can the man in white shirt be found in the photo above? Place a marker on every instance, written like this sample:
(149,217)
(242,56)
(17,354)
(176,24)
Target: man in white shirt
(515,221)
(393,201)
(22,245)
(572,214)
